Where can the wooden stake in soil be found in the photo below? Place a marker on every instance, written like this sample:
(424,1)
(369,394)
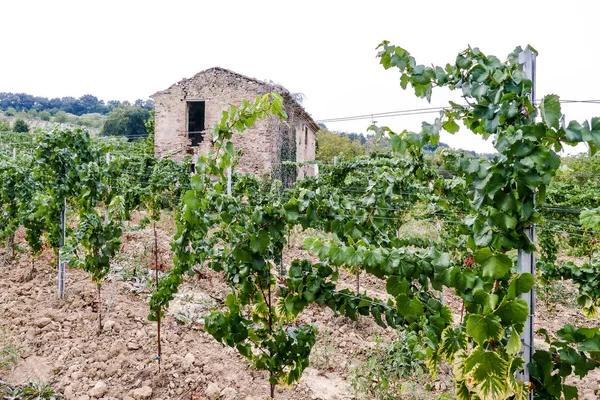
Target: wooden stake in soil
(271,385)
(159,310)
(61,263)
(99,310)
(10,255)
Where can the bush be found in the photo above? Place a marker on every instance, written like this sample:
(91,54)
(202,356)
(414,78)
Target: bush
(83,121)
(44,115)
(10,111)
(20,126)
(4,125)
(61,117)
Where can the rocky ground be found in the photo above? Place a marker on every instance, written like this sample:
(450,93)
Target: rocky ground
(57,341)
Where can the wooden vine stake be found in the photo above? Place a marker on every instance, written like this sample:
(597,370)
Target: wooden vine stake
(61,263)
(271,375)
(99,287)
(156,267)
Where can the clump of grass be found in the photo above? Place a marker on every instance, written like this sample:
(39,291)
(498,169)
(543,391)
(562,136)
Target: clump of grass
(558,292)
(8,353)
(31,390)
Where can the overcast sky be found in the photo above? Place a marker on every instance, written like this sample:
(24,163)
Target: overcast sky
(125,50)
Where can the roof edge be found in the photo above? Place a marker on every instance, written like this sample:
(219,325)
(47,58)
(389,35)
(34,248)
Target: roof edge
(270,86)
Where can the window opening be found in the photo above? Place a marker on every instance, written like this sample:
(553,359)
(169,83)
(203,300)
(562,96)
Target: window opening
(196,114)
(306,136)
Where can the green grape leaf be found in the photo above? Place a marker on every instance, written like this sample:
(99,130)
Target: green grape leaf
(395,286)
(484,327)
(513,346)
(409,308)
(570,392)
(451,126)
(522,283)
(260,243)
(591,345)
(590,219)
(494,266)
(513,311)
(550,110)
(573,132)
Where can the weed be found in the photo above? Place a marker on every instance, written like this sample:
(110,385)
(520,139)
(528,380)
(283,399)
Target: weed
(392,369)
(322,356)
(140,281)
(188,316)
(194,311)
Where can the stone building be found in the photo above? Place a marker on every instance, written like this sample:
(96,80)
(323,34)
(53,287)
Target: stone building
(187,111)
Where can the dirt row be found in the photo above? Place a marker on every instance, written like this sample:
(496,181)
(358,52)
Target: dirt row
(57,340)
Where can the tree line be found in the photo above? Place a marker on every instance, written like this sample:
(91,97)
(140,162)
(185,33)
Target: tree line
(331,144)
(86,104)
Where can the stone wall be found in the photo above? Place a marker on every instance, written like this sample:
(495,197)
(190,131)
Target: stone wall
(306,135)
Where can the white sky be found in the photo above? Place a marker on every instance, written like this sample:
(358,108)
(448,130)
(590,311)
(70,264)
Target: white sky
(129,49)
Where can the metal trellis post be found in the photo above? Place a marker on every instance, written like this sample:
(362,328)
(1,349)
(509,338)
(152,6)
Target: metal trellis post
(229,181)
(106,209)
(526,260)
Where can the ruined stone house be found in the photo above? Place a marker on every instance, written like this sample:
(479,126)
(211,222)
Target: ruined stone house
(187,111)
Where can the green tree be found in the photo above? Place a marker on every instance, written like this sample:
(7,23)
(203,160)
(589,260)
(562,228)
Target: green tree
(10,111)
(20,126)
(332,144)
(4,125)
(126,121)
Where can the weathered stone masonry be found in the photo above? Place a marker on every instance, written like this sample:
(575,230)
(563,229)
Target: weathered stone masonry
(264,146)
